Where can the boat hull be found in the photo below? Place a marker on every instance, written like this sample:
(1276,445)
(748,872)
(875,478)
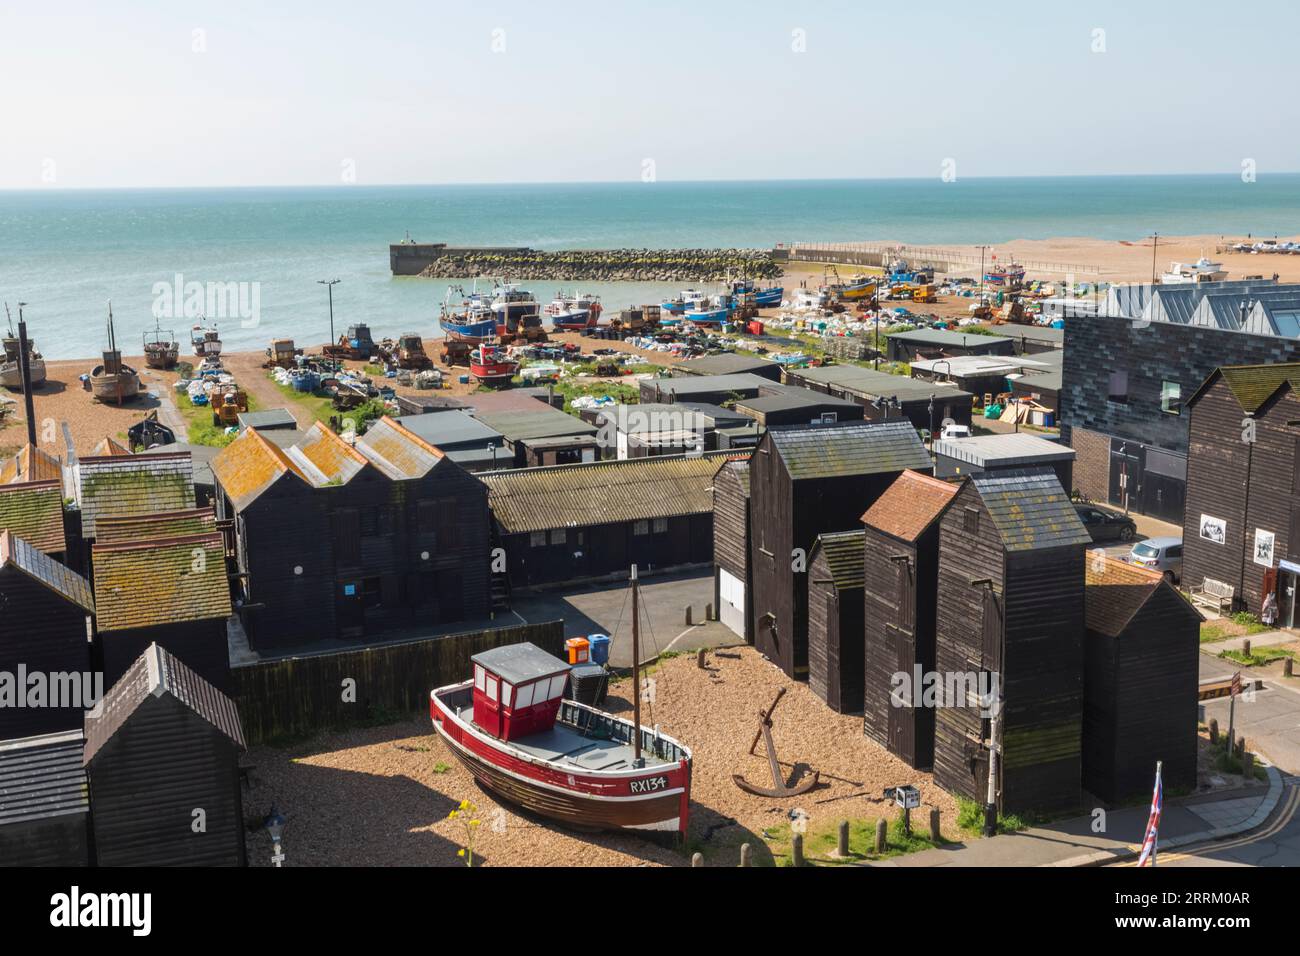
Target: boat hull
(114,388)
(11,376)
(655,798)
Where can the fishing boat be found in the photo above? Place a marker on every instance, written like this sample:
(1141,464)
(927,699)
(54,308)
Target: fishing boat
(860,287)
(1202,270)
(113,380)
(1011,275)
(686,299)
(205,341)
(511,727)
(763,298)
(490,365)
(511,305)
(574,313)
(472,321)
(11,369)
(162,350)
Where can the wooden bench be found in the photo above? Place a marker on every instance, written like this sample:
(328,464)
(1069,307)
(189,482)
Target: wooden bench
(1214,594)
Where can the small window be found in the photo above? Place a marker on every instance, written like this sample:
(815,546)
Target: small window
(1118,391)
(1171,398)
(641,527)
(660,525)
(537,539)
(492,688)
(478,676)
(559,536)
(557,686)
(971,521)
(524,695)
(507,690)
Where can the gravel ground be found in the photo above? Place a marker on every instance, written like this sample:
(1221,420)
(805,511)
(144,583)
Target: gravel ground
(380,796)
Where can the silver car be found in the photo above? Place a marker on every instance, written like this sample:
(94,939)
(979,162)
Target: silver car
(1159,554)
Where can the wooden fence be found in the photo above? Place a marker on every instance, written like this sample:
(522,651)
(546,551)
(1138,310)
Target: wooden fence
(297,696)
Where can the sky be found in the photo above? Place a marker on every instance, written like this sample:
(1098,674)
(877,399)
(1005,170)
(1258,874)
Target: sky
(174,94)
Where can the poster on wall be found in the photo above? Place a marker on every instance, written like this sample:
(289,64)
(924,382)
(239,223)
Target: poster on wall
(1264,545)
(1214,529)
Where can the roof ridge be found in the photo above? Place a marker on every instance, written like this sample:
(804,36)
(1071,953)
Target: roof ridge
(411,436)
(146,544)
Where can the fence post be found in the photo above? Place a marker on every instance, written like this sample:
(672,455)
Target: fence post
(697,859)
(882,831)
(1245,646)
(934,825)
(796,849)
(744,854)
(688,615)
(1214,730)
(843,848)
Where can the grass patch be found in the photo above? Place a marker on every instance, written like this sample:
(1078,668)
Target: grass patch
(201,430)
(1227,762)
(822,838)
(1250,622)
(1213,633)
(620,392)
(970,818)
(318,404)
(1257,658)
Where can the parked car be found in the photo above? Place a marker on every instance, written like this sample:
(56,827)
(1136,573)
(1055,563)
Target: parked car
(1106,525)
(1159,554)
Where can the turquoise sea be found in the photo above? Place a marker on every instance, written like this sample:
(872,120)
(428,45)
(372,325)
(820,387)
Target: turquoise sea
(66,253)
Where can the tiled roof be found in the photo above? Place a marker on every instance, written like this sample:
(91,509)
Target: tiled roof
(145,583)
(844,553)
(325,458)
(910,505)
(154,674)
(250,465)
(1030,509)
(859,448)
(42,777)
(108,447)
(34,512)
(30,464)
(40,567)
(133,485)
(396,451)
(1115,592)
(575,496)
(168,524)
(1253,385)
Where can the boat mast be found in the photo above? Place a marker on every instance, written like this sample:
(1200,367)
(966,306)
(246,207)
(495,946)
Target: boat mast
(637,760)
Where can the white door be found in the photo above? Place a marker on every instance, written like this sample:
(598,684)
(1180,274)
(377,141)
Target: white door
(731,601)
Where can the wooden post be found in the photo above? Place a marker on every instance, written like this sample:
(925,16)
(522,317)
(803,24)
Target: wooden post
(1241,746)
(842,850)
(688,615)
(1214,730)
(1245,646)
(935,836)
(1248,765)
(882,831)
(699,658)
(708,612)
(744,854)
(796,849)
(1287,666)
(697,859)
(907,822)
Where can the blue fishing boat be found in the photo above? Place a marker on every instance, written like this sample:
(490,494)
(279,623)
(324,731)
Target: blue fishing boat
(458,330)
(763,298)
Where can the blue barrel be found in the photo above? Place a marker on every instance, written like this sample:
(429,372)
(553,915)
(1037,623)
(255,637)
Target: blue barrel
(599,648)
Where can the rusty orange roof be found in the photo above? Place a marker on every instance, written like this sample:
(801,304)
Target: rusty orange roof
(249,465)
(396,451)
(910,505)
(165,581)
(33,511)
(325,458)
(109,446)
(30,464)
(1115,591)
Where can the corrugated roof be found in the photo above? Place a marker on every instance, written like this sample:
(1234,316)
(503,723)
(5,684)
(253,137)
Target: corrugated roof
(910,505)
(1030,509)
(844,553)
(1115,592)
(708,384)
(146,583)
(168,524)
(42,777)
(541,422)
(132,485)
(446,430)
(30,464)
(34,512)
(575,496)
(250,465)
(325,458)
(154,674)
(1016,448)
(858,448)
(728,363)
(398,452)
(870,384)
(1253,385)
(40,567)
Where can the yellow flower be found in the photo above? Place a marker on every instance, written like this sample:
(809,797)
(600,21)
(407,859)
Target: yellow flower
(460,852)
(464,804)
(475,823)
(453,815)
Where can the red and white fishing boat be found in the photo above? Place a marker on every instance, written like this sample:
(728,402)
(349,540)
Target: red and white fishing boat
(491,366)
(513,730)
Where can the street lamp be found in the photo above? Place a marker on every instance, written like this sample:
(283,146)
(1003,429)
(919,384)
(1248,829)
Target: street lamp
(274,825)
(329,284)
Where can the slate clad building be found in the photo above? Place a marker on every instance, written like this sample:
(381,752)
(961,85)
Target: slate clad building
(44,629)
(33,511)
(162,744)
(1011,580)
(901,593)
(43,807)
(805,482)
(835,620)
(733,584)
(340,541)
(1140,683)
(1243,486)
(579,522)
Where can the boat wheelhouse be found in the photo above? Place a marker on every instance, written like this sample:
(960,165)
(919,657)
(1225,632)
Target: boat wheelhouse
(161,350)
(573,313)
(491,365)
(1011,276)
(11,371)
(205,341)
(1202,270)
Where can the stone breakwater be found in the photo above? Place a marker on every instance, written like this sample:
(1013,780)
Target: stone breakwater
(609,265)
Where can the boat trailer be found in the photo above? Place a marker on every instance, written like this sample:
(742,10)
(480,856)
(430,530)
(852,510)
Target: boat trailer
(779,787)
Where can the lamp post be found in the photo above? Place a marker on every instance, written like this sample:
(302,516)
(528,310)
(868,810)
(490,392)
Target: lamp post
(274,825)
(329,284)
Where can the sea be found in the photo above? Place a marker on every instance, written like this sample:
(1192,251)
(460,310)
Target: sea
(68,253)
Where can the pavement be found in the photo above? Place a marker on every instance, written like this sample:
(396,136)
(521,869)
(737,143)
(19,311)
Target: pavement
(1263,639)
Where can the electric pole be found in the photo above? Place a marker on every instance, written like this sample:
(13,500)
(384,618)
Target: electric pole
(329,284)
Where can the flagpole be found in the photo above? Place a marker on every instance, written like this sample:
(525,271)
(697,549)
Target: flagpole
(1155,846)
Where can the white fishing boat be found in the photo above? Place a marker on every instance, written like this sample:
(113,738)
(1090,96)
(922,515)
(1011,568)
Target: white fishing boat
(11,372)
(1202,270)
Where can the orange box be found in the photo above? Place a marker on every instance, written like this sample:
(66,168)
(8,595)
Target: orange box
(579,649)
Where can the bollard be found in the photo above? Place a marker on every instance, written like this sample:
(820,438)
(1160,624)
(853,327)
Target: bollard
(1214,730)
(882,830)
(744,854)
(697,859)
(688,615)
(934,825)
(1241,746)
(1287,666)
(699,658)
(1248,765)
(1245,646)
(842,850)
(708,612)
(796,849)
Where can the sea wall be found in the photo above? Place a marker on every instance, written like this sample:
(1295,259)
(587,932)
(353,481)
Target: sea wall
(591,265)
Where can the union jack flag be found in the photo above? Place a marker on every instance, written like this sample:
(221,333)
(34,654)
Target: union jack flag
(1152,837)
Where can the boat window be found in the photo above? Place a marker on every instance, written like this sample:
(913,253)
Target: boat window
(478,676)
(491,688)
(507,691)
(524,695)
(557,686)
(537,539)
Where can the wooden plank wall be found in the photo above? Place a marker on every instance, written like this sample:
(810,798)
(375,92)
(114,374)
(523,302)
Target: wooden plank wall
(47,634)
(297,696)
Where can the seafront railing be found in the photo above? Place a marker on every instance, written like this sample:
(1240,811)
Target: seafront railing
(866,253)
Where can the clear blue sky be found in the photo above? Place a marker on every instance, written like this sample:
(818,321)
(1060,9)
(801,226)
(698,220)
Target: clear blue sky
(413,92)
